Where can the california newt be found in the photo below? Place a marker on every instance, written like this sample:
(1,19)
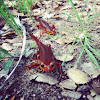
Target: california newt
(45,26)
(44,57)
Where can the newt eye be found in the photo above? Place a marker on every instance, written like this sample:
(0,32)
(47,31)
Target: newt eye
(42,65)
(53,65)
(38,57)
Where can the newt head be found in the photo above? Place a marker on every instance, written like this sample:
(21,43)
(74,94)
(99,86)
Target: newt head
(48,67)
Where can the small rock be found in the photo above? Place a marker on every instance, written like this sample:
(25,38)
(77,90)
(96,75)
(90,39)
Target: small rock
(71,94)
(77,76)
(69,84)
(6,46)
(44,78)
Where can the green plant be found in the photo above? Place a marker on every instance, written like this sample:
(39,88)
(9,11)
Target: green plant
(4,55)
(6,14)
(85,42)
(19,28)
(24,6)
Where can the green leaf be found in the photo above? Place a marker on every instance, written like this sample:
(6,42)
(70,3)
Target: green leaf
(32,45)
(1,56)
(81,24)
(92,58)
(4,52)
(28,52)
(80,55)
(8,64)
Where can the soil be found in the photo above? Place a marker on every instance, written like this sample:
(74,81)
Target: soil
(19,86)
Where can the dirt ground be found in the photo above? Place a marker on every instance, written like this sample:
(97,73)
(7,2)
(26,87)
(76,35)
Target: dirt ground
(22,86)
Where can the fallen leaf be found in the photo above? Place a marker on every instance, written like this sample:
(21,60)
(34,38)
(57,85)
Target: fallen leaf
(89,97)
(16,13)
(96,84)
(12,98)
(17,44)
(60,40)
(69,38)
(62,57)
(3,73)
(97,97)
(91,69)
(44,78)
(6,46)
(8,33)
(69,84)
(22,98)
(8,63)
(73,48)
(38,11)
(17,39)
(77,76)
(71,94)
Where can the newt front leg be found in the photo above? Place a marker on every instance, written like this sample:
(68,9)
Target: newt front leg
(61,73)
(36,61)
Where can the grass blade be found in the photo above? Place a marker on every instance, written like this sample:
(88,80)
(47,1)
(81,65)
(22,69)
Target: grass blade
(81,24)
(93,59)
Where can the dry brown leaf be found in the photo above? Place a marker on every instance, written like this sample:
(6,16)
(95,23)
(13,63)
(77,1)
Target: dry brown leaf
(59,40)
(38,11)
(89,97)
(69,84)
(6,46)
(71,94)
(17,39)
(15,12)
(44,78)
(17,44)
(97,97)
(73,48)
(12,98)
(62,57)
(48,15)
(22,98)
(69,38)
(9,3)
(77,76)
(96,84)
(91,69)
(8,33)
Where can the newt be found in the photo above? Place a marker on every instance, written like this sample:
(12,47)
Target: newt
(44,57)
(45,26)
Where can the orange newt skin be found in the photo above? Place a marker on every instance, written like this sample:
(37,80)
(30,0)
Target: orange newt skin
(45,27)
(44,57)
